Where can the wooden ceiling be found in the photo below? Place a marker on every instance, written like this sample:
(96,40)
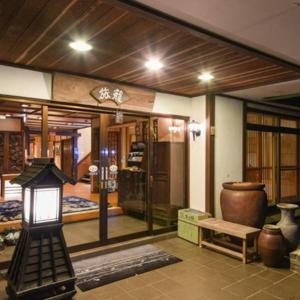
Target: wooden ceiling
(58,119)
(37,33)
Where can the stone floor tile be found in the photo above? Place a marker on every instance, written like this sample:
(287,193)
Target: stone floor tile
(257,282)
(186,294)
(286,290)
(269,274)
(241,289)
(145,293)
(152,277)
(223,295)
(111,290)
(167,285)
(262,296)
(131,283)
(219,266)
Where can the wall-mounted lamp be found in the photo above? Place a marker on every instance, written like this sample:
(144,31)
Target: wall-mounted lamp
(194,128)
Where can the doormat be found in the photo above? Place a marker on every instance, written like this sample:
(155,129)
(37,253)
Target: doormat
(104,269)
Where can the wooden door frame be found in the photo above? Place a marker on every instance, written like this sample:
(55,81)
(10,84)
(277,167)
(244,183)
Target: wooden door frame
(210,154)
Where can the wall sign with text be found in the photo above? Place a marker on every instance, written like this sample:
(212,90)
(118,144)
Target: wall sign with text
(110,92)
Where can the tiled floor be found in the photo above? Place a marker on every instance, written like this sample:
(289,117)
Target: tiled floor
(203,274)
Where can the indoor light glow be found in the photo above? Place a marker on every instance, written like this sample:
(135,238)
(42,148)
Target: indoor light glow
(206,76)
(174,129)
(153,64)
(81,46)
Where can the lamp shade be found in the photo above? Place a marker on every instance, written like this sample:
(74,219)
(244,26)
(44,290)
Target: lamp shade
(42,184)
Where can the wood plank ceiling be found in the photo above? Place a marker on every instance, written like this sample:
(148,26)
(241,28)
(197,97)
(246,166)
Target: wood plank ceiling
(37,33)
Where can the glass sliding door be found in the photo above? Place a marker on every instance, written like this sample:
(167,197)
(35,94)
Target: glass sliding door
(124,155)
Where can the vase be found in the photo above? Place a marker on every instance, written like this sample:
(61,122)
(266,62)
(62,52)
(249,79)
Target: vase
(271,246)
(289,227)
(244,203)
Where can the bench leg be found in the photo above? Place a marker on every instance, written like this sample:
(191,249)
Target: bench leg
(256,247)
(245,251)
(200,237)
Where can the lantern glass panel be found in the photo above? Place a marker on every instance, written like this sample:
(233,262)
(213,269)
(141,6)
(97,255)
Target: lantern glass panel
(27,194)
(46,205)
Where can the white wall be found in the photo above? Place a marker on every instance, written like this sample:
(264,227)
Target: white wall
(84,142)
(197,156)
(171,104)
(26,83)
(228,144)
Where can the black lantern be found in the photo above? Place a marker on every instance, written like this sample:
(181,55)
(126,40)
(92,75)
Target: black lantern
(41,267)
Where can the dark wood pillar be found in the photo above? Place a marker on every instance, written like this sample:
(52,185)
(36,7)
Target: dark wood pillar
(44,131)
(210,154)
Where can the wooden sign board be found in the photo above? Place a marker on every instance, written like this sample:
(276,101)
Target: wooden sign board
(82,90)
(110,92)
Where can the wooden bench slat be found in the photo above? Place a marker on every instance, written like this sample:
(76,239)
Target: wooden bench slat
(229,228)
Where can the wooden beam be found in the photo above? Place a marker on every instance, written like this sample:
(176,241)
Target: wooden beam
(44,131)
(210,155)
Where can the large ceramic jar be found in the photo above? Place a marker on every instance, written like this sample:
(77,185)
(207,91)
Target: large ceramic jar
(244,203)
(288,225)
(271,246)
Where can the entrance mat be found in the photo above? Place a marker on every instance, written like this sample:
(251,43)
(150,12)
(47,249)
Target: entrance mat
(103,269)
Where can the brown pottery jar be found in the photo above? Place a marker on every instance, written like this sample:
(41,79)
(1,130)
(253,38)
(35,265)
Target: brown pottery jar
(271,246)
(244,203)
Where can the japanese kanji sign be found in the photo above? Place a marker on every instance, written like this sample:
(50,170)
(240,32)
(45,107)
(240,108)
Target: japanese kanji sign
(109,92)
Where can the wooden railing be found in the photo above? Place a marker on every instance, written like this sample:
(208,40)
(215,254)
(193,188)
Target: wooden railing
(83,166)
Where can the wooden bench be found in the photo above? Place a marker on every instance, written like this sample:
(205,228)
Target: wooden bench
(245,233)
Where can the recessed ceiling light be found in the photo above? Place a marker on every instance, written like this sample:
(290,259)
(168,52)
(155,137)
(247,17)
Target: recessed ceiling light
(81,46)
(25,105)
(8,115)
(206,76)
(153,64)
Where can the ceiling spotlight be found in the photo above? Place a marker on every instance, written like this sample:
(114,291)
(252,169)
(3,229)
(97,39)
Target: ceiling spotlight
(24,105)
(81,46)
(7,115)
(153,64)
(206,76)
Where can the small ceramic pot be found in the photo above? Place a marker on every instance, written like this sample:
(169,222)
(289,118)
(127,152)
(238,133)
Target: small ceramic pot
(289,228)
(271,246)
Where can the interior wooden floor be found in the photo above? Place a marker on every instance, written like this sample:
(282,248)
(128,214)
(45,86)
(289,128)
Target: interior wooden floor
(83,190)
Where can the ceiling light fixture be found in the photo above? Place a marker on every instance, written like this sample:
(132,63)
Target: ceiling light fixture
(24,105)
(81,46)
(153,64)
(206,76)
